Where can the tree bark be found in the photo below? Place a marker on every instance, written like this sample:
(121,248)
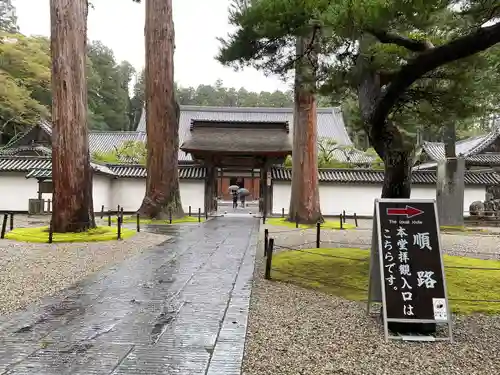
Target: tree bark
(385,138)
(162,115)
(71,171)
(397,176)
(304,201)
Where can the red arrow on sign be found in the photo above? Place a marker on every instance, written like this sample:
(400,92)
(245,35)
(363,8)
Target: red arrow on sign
(409,211)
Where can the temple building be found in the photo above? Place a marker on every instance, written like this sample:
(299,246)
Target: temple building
(220,147)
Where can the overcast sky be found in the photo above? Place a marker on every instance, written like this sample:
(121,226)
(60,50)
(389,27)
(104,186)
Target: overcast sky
(119,24)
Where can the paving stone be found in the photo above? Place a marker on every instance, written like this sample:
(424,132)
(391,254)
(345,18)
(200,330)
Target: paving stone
(180,308)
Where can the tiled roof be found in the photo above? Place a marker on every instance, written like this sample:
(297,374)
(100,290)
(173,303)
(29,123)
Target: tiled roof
(330,121)
(47,172)
(236,139)
(106,141)
(45,125)
(39,173)
(39,150)
(467,147)
(29,163)
(486,159)
(352,156)
(24,163)
(330,125)
(370,176)
(129,170)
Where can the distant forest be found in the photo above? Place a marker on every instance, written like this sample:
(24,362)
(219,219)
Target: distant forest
(25,82)
(220,96)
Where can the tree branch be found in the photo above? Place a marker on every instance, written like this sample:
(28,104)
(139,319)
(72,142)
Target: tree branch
(408,43)
(429,60)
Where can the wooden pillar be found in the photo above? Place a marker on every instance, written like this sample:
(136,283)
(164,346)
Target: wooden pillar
(268,189)
(252,192)
(261,190)
(266,185)
(207,178)
(210,189)
(40,189)
(221,178)
(214,190)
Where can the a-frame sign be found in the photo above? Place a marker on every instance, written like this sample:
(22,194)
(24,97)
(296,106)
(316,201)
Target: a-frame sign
(406,266)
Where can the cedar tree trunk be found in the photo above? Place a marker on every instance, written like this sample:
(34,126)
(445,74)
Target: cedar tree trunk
(162,115)
(71,171)
(304,200)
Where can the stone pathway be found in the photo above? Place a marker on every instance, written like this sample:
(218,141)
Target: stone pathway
(180,308)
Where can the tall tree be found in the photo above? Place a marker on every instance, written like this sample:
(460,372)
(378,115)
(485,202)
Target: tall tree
(385,53)
(8,18)
(71,171)
(162,115)
(304,198)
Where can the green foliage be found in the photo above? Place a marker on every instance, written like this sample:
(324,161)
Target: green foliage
(41,235)
(24,82)
(218,95)
(266,31)
(129,151)
(109,101)
(328,156)
(8,19)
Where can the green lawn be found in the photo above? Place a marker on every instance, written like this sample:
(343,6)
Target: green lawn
(185,219)
(41,234)
(348,278)
(328,224)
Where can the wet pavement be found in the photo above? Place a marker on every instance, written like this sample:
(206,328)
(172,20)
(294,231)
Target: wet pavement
(180,308)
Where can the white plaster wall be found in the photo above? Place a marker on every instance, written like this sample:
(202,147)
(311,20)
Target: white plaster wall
(129,192)
(16,190)
(192,194)
(101,192)
(359,198)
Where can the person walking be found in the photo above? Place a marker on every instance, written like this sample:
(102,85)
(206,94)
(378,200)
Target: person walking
(242,199)
(235,200)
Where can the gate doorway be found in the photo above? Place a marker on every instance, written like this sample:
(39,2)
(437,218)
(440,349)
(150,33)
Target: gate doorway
(238,181)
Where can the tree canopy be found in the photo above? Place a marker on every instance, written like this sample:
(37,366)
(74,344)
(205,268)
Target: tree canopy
(408,65)
(396,31)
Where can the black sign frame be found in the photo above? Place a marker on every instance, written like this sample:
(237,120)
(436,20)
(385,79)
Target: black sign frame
(400,225)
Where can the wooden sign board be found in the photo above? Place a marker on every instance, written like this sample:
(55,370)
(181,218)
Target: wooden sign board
(406,265)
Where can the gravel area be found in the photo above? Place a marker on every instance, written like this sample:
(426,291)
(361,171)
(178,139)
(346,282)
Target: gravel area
(30,271)
(297,331)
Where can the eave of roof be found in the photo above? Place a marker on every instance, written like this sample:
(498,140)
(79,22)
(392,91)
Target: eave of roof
(192,172)
(467,147)
(238,140)
(28,163)
(370,176)
(330,121)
